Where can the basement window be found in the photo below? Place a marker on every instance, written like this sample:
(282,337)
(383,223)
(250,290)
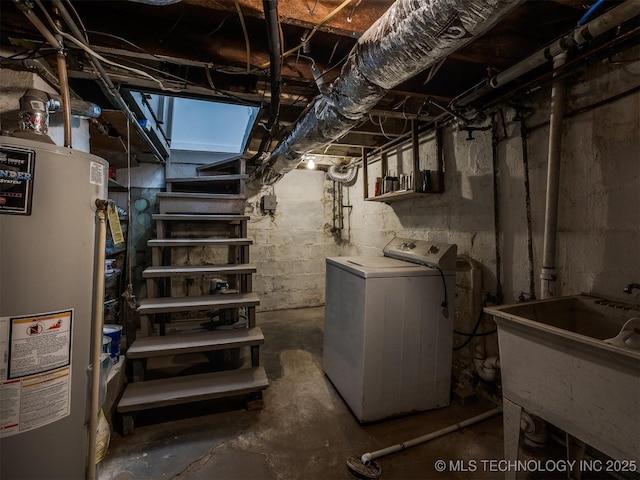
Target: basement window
(179,125)
(204,126)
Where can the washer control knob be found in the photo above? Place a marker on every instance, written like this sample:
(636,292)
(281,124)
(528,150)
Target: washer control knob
(433,249)
(407,246)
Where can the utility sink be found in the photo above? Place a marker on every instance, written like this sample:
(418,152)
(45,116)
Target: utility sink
(582,318)
(556,364)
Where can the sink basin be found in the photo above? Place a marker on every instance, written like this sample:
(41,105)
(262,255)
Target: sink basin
(556,365)
(582,318)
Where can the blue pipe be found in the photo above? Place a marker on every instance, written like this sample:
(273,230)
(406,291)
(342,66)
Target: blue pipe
(589,12)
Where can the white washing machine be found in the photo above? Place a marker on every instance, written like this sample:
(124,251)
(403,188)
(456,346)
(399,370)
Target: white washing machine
(388,328)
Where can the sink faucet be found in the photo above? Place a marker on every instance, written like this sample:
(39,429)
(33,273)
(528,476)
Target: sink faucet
(629,288)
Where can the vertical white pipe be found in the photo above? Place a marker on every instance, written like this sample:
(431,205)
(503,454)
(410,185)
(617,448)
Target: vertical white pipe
(548,275)
(96,340)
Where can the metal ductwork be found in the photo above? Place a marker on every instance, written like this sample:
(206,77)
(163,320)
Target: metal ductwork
(334,173)
(34,112)
(36,105)
(408,38)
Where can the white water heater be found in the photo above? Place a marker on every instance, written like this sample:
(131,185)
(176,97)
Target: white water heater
(47,262)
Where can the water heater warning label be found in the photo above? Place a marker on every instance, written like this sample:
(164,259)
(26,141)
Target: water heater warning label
(96,174)
(35,372)
(16,180)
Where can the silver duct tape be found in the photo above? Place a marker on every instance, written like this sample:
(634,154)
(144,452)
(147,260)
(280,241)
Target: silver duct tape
(408,38)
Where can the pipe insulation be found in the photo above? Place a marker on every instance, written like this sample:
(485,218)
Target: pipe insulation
(411,36)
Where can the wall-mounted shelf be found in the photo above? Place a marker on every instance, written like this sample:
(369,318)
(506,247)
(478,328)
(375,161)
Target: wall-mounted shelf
(116,187)
(396,196)
(110,141)
(415,175)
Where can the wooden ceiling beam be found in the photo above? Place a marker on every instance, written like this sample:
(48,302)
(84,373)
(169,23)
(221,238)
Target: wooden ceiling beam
(351,21)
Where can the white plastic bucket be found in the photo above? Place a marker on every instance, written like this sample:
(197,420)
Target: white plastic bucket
(115,333)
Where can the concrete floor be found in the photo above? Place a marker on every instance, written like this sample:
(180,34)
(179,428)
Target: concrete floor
(305,430)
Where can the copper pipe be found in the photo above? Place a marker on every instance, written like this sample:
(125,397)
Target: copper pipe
(62,65)
(66,98)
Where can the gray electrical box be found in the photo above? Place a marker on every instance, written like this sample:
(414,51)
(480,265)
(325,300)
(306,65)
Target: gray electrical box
(268,203)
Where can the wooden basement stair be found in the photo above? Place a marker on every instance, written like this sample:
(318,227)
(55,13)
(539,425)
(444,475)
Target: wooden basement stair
(174,325)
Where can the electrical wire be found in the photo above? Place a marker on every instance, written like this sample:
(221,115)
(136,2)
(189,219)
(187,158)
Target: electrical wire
(29,54)
(246,35)
(124,40)
(445,302)
(434,70)
(313,31)
(475,329)
(79,20)
(379,124)
(129,295)
(95,54)
(215,30)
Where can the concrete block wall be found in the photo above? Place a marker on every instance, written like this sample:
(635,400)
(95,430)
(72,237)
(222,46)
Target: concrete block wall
(599,226)
(599,208)
(291,245)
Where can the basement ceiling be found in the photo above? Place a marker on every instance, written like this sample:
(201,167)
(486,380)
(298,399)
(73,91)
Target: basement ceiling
(218,49)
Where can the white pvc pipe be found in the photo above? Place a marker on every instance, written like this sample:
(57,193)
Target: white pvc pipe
(548,275)
(487,368)
(577,37)
(368,457)
(96,339)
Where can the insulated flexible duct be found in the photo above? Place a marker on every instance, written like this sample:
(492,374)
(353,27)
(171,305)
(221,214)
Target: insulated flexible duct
(408,38)
(336,175)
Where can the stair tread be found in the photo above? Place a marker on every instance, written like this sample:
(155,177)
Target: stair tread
(146,347)
(190,242)
(202,195)
(182,304)
(208,178)
(192,388)
(198,217)
(185,270)
(221,164)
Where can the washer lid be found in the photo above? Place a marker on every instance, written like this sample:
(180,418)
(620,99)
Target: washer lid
(380,267)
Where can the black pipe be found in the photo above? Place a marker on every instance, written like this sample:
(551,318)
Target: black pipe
(496,209)
(275,65)
(527,190)
(409,37)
